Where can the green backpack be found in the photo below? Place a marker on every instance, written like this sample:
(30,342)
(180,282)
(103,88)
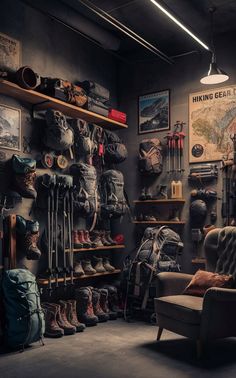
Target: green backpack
(24,315)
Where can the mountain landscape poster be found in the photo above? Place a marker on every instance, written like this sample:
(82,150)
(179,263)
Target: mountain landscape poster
(153,112)
(212,123)
(10,128)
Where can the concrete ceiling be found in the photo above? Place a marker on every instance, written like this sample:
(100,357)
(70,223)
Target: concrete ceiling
(149,22)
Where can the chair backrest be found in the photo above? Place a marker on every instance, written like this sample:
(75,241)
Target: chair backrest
(220,250)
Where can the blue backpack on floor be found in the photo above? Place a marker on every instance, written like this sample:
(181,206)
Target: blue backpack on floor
(24,315)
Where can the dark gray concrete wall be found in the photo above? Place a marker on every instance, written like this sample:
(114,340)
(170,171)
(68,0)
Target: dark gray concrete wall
(181,78)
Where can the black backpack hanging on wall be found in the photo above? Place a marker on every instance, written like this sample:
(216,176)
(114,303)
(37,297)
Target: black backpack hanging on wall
(115,150)
(113,201)
(150,156)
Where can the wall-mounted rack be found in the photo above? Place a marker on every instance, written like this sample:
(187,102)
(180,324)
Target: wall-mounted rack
(41,101)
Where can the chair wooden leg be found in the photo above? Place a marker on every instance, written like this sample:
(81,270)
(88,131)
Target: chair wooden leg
(159,333)
(199,348)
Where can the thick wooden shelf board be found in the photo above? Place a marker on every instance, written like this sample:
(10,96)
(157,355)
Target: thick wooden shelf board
(199,260)
(167,201)
(104,248)
(159,222)
(45,281)
(43,102)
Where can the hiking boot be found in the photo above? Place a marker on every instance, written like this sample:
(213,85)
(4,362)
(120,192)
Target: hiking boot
(142,196)
(109,238)
(148,194)
(88,240)
(113,300)
(72,316)
(104,241)
(84,306)
(149,218)
(52,328)
(76,241)
(96,238)
(161,193)
(174,215)
(98,265)
(105,306)
(87,267)
(28,236)
(107,265)
(78,269)
(82,240)
(69,329)
(24,175)
(102,317)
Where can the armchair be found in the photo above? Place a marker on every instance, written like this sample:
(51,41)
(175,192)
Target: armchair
(207,318)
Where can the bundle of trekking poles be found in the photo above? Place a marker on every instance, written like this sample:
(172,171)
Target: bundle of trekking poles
(175,148)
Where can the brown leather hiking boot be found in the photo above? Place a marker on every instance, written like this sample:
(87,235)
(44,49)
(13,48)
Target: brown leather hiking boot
(102,316)
(84,306)
(24,184)
(87,267)
(76,240)
(98,266)
(63,322)
(82,239)
(96,238)
(109,238)
(78,270)
(52,328)
(105,306)
(30,243)
(105,242)
(72,316)
(107,265)
(88,240)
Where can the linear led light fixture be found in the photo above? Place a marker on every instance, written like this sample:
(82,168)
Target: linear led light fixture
(177,22)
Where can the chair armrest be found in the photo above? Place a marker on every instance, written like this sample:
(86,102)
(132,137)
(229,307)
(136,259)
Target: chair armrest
(218,313)
(171,283)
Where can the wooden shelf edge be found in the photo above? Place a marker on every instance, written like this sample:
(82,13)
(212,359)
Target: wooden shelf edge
(104,248)
(198,261)
(45,281)
(158,222)
(180,201)
(43,102)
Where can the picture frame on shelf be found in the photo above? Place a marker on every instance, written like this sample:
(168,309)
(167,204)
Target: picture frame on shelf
(10,53)
(10,128)
(154,112)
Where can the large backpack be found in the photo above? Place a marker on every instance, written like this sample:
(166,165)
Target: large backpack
(115,150)
(24,315)
(150,156)
(58,135)
(84,145)
(113,201)
(86,199)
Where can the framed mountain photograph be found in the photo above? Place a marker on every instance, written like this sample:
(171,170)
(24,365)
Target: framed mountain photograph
(154,112)
(10,128)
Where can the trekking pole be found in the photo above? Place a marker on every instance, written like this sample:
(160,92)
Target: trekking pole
(51,230)
(69,233)
(57,186)
(72,227)
(64,234)
(168,138)
(181,137)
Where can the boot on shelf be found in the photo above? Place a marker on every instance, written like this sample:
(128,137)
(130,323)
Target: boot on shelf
(28,236)
(78,269)
(76,240)
(87,267)
(96,238)
(102,316)
(174,215)
(72,316)
(52,328)
(24,175)
(105,242)
(113,300)
(107,265)
(69,329)
(109,238)
(98,265)
(88,240)
(105,305)
(84,306)
(161,193)
(82,240)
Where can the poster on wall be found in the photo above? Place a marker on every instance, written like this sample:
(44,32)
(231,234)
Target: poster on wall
(10,128)
(153,112)
(9,53)
(212,120)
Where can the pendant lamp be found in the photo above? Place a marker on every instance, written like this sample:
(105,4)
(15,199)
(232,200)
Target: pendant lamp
(215,75)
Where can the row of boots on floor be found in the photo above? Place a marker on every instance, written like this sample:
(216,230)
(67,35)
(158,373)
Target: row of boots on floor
(91,306)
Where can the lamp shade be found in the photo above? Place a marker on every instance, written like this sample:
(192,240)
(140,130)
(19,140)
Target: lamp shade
(215,75)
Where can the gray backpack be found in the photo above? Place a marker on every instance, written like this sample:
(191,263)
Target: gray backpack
(113,201)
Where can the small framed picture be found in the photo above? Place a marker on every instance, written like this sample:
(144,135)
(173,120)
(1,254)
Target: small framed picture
(10,53)
(154,112)
(10,128)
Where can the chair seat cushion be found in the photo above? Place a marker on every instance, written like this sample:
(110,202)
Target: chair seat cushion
(185,308)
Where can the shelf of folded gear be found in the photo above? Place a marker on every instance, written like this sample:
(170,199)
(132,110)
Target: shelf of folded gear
(43,102)
(103,248)
(45,281)
(159,201)
(160,222)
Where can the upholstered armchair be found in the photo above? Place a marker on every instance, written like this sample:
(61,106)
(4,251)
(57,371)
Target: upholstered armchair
(204,318)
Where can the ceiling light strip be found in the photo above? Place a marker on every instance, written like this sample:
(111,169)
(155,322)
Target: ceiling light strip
(182,26)
(124,29)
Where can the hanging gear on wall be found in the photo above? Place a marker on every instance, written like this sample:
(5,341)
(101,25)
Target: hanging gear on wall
(175,148)
(198,212)
(115,150)
(205,194)
(203,172)
(84,146)
(27,235)
(24,175)
(150,156)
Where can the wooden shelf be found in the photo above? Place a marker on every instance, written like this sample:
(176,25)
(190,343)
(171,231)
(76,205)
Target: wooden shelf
(199,260)
(104,248)
(159,222)
(45,281)
(43,102)
(168,201)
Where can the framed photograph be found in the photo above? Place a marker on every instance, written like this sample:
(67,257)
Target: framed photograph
(212,120)
(154,112)
(10,128)
(9,53)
